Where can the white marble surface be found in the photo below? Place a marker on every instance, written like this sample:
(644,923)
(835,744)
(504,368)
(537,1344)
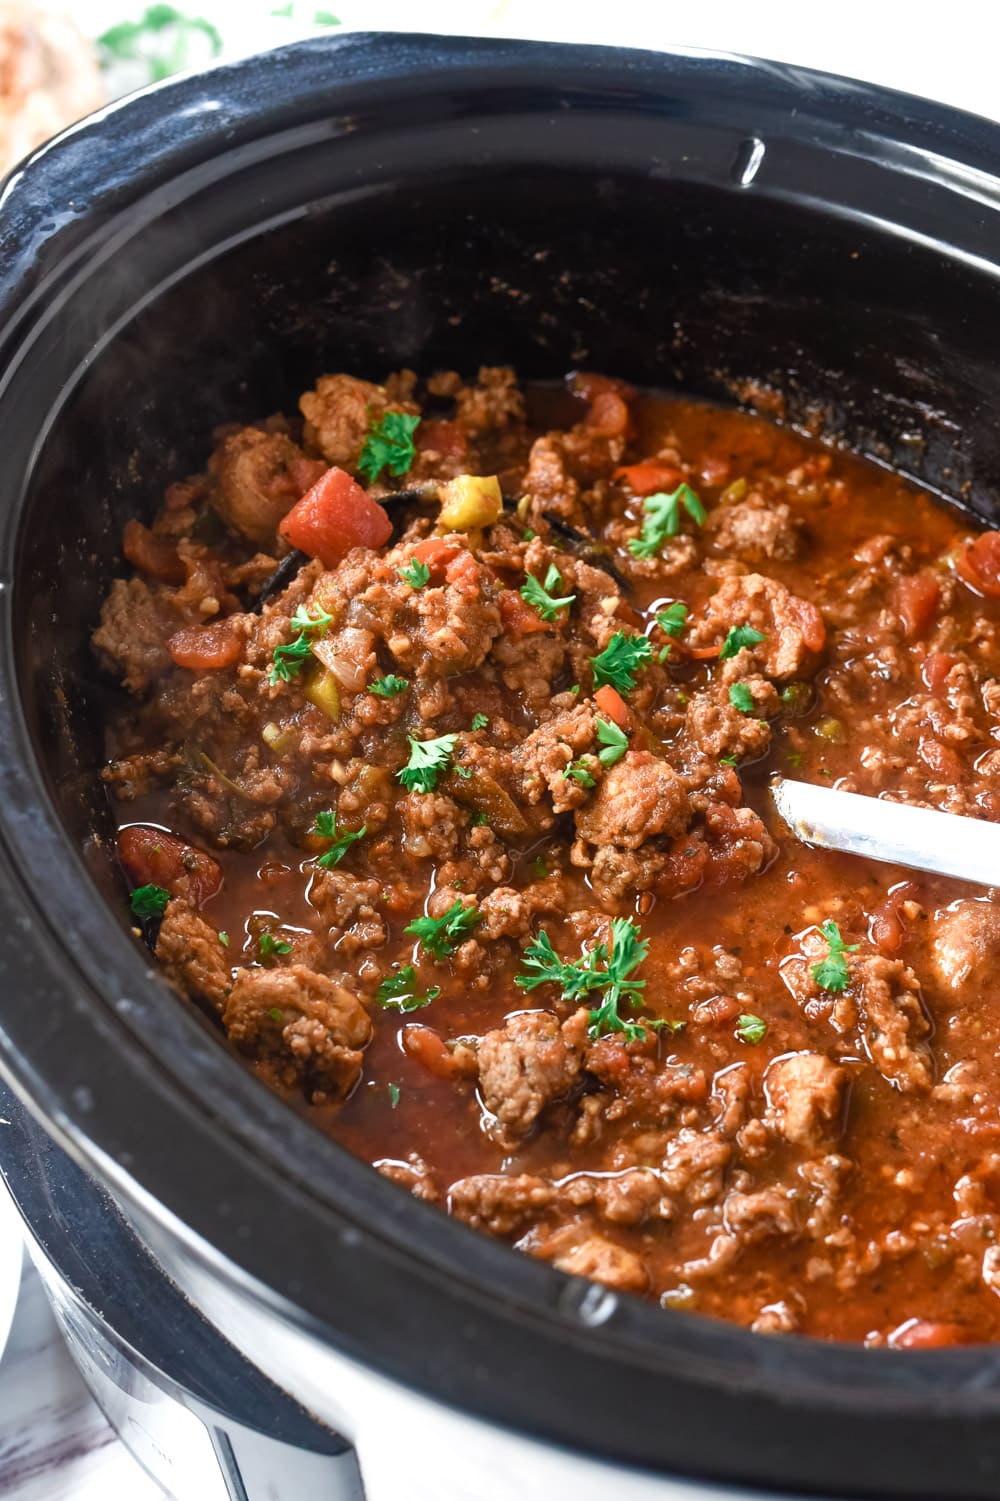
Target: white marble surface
(55,1445)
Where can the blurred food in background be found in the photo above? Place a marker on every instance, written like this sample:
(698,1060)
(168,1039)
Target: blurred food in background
(49,77)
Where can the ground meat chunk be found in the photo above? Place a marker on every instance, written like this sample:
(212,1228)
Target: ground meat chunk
(805,1097)
(257,477)
(965,942)
(414,1175)
(507,912)
(753,1217)
(192,954)
(543,756)
(350,908)
(754,531)
(793,628)
(432,825)
(604,1261)
(528,1063)
(895,1027)
(497,1203)
(714,727)
(739,844)
(695,1162)
(639,797)
(312,1028)
(445,627)
(493,402)
(131,638)
(548,480)
(339,413)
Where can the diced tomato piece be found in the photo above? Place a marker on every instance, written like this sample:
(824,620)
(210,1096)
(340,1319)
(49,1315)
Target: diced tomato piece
(304,473)
(611,703)
(333,517)
(978,564)
(465,574)
(518,617)
(430,1050)
(205,648)
(810,622)
(154,858)
(650,479)
(927,1334)
(940,759)
(916,599)
(155,556)
(436,552)
(936,669)
(444,438)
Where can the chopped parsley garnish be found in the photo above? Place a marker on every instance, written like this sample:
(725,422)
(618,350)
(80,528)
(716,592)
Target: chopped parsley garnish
(741,698)
(620,660)
(613,740)
(577,771)
(393,1090)
(441,936)
(276,1014)
(148,902)
(479,721)
(481,819)
(750,1028)
(465,772)
(740,636)
(794,758)
(388,686)
(414,573)
(673,619)
(832,973)
(729,760)
(269,946)
(389,445)
(398,991)
(290,658)
(223,937)
(541,595)
(326,827)
(582,977)
(428,761)
(663,519)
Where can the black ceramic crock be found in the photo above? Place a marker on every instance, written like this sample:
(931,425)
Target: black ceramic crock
(199,254)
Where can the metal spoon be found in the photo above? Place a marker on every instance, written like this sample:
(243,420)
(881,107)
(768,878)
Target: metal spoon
(921,838)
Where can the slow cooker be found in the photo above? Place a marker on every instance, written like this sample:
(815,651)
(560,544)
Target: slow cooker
(259,1313)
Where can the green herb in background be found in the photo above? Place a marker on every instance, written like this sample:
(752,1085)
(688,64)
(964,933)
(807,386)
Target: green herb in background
(162,39)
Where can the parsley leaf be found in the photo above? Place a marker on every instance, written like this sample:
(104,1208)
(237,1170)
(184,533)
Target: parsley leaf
(393,1091)
(741,698)
(428,761)
(441,936)
(479,721)
(739,636)
(614,741)
(223,938)
(388,686)
(663,519)
(148,902)
(326,827)
(577,770)
(388,445)
(541,596)
(269,946)
(673,619)
(290,658)
(398,991)
(161,39)
(581,977)
(750,1028)
(414,573)
(832,972)
(620,660)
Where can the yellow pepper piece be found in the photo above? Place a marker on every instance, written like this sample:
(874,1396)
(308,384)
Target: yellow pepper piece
(323,690)
(469,502)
